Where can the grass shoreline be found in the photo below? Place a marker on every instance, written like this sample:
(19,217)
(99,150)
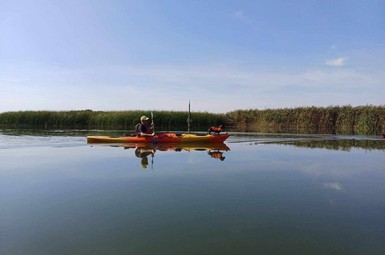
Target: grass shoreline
(368,120)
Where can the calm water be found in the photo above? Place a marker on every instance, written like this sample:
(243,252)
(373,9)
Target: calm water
(257,194)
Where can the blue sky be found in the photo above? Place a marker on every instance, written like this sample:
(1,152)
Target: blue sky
(221,55)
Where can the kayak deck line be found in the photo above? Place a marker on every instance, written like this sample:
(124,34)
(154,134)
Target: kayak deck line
(161,138)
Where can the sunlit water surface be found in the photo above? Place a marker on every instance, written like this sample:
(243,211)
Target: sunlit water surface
(257,194)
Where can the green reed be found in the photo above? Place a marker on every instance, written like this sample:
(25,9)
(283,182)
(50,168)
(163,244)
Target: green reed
(332,120)
(164,120)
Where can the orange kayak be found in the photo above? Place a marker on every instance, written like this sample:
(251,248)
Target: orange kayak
(161,138)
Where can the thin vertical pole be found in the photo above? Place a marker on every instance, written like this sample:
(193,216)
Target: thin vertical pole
(189,119)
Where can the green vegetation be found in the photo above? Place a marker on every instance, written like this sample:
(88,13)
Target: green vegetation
(88,119)
(333,120)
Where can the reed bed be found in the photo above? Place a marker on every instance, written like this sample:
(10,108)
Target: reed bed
(88,119)
(328,120)
(332,120)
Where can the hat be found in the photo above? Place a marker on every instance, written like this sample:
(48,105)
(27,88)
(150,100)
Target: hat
(143,118)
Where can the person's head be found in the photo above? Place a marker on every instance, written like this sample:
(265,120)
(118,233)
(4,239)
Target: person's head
(143,119)
(144,162)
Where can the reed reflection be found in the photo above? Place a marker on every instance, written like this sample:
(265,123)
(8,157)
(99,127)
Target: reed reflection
(339,144)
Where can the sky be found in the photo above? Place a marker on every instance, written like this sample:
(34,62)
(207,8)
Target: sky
(223,55)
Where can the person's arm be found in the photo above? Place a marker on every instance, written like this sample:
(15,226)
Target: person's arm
(145,134)
(144,131)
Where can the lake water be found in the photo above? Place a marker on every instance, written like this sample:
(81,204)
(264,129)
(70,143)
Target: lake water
(257,194)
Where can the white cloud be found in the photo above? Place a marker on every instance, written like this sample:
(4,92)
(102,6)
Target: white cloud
(335,62)
(170,87)
(333,185)
(239,15)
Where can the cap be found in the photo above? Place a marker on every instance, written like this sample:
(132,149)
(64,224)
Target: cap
(143,118)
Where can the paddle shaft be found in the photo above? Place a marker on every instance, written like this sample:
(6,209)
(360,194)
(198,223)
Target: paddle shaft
(153,129)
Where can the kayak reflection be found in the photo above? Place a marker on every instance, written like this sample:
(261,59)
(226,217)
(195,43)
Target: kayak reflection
(144,150)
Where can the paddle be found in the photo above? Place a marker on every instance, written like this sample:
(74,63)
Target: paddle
(153,129)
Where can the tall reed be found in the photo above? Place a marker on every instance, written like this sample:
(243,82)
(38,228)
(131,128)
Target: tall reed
(164,120)
(332,119)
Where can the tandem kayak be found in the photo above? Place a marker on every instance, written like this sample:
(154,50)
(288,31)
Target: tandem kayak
(161,138)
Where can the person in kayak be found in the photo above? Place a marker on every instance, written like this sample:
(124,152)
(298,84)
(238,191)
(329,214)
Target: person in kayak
(143,128)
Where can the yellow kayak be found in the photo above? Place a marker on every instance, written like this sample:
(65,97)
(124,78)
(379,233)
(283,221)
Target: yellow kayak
(161,138)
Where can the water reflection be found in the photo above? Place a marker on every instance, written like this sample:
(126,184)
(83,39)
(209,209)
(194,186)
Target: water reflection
(313,141)
(265,198)
(143,153)
(337,144)
(144,150)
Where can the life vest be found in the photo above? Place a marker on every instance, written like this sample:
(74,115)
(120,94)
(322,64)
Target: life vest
(216,129)
(216,154)
(138,128)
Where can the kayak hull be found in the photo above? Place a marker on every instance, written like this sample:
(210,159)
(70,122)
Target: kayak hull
(161,138)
